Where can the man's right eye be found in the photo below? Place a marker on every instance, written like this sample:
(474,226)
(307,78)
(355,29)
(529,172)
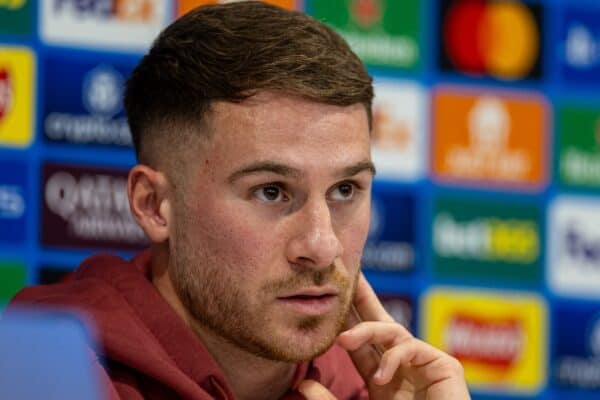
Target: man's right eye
(270,194)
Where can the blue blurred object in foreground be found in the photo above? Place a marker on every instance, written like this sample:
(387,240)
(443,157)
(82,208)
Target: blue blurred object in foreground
(45,356)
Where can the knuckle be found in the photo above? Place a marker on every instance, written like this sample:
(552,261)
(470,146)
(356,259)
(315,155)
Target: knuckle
(453,366)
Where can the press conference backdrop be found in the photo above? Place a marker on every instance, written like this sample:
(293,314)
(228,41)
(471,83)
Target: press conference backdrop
(485,234)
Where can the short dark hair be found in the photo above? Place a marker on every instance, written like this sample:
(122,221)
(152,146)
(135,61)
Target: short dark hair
(230,52)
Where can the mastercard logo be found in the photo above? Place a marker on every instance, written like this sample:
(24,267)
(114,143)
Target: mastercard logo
(496,38)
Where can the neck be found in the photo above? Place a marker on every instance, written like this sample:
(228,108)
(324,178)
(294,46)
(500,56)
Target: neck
(249,376)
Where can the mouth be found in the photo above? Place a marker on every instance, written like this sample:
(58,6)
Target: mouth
(310,302)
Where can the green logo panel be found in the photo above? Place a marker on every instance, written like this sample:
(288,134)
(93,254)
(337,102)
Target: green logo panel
(16,16)
(579,146)
(382,32)
(486,240)
(12,279)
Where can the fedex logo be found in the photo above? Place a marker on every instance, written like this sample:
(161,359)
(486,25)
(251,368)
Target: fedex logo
(131,10)
(112,24)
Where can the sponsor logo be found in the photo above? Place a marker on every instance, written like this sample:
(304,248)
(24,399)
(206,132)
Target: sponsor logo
(366,13)
(398,137)
(488,239)
(496,343)
(581,43)
(501,39)
(489,138)
(13,206)
(574,246)
(6,92)
(390,245)
(579,152)
(12,202)
(88,207)
(500,337)
(478,238)
(12,279)
(16,96)
(122,24)
(577,348)
(187,5)
(98,117)
(381,32)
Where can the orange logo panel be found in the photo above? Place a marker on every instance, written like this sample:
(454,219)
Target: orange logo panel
(489,138)
(188,5)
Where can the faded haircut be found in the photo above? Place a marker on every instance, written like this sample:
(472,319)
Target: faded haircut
(230,52)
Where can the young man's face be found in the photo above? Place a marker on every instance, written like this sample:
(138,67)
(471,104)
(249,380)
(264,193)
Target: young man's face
(270,225)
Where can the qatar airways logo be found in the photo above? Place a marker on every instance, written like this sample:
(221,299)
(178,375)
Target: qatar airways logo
(494,342)
(6,93)
(88,207)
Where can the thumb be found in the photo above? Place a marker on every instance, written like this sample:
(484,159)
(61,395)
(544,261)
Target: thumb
(313,390)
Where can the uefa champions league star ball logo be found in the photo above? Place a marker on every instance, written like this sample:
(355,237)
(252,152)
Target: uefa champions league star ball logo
(6,93)
(103,91)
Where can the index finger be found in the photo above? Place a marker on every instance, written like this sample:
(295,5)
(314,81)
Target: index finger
(367,304)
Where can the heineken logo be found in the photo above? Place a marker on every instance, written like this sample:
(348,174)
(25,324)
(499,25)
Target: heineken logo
(6,92)
(366,13)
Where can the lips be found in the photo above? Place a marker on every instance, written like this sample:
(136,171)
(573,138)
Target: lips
(311,301)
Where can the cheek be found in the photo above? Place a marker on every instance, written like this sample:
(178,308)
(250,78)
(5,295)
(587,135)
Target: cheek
(233,238)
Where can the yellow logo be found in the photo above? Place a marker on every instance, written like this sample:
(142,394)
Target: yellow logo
(499,337)
(17,76)
(12,4)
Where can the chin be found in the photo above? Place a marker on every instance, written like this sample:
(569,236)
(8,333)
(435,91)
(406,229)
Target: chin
(310,338)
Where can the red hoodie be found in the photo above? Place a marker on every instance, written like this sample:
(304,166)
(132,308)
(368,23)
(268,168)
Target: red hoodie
(147,351)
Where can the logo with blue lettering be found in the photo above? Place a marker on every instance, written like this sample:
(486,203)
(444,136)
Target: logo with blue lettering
(90,108)
(13,184)
(391,242)
(576,353)
(129,25)
(574,246)
(581,45)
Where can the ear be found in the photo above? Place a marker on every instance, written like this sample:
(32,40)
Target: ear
(147,190)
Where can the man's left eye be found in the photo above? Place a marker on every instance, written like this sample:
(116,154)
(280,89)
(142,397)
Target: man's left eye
(343,191)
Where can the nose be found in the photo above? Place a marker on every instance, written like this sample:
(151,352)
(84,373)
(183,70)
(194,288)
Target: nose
(315,243)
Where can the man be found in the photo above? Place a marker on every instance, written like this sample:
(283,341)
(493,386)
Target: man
(251,126)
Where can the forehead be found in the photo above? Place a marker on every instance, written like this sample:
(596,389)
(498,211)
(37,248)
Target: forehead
(289,129)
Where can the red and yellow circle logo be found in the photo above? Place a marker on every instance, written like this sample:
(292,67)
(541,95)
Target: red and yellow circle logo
(500,38)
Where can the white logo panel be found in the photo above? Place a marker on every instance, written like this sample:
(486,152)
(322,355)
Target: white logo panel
(574,246)
(129,25)
(399,130)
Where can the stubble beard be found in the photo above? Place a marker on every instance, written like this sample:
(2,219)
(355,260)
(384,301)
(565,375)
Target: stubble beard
(217,303)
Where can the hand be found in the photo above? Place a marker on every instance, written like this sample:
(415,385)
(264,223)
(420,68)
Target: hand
(409,368)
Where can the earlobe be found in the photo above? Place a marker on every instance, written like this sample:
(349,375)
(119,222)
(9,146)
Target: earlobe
(148,201)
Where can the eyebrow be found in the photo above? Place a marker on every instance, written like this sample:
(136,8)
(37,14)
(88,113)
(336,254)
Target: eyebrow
(287,171)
